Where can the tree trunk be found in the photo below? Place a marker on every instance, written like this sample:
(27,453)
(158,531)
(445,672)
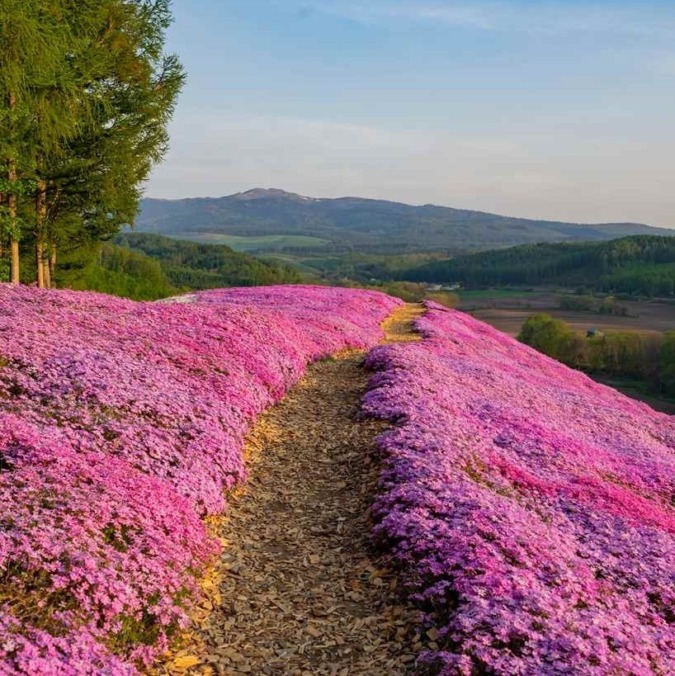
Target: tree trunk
(39,267)
(46,270)
(52,264)
(11,208)
(40,222)
(14,261)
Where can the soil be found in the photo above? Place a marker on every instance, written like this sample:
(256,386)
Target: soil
(298,588)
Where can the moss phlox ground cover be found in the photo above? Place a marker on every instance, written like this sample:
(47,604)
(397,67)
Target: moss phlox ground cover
(121,425)
(529,508)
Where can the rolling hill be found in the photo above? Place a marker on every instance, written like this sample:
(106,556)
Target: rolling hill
(277,221)
(640,265)
(194,266)
(148,267)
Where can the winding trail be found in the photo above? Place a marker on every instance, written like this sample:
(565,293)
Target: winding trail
(296,590)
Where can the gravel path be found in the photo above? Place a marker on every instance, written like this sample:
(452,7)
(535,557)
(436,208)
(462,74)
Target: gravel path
(296,590)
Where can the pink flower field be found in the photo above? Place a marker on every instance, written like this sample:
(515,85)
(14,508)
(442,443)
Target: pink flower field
(121,424)
(529,509)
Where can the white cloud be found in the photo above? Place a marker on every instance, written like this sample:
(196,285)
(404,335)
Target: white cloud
(569,177)
(546,17)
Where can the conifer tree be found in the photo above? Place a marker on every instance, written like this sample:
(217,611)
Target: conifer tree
(88,95)
(134,87)
(31,42)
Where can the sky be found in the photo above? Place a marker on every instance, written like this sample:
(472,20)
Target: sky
(561,109)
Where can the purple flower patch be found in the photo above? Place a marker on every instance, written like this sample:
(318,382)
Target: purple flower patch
(529,509)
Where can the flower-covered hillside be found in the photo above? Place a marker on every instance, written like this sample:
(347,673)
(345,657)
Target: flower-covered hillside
(120,425)
(530,509)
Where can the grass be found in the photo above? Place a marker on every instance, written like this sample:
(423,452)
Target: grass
(252,244)
(487,294)
(303,265)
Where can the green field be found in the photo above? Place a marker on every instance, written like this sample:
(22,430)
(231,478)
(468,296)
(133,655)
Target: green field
(253,244)
(490,294)
(303,265)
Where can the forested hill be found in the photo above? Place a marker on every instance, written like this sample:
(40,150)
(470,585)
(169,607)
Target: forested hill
(355,224)
(149,267)
(207,266)
(643,265)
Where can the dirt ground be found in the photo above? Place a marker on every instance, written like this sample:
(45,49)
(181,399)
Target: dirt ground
(298,590)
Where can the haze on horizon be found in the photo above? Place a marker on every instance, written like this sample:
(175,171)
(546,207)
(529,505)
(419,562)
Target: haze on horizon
(556,109)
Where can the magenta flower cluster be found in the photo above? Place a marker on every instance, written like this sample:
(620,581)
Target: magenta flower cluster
(530,510)
(121,424)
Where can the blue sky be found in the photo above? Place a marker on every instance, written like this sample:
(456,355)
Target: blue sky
(561,109)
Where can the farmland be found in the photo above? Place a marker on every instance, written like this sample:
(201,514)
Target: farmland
(507,310)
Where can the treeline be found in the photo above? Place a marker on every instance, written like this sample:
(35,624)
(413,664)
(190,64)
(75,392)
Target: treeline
(150,267)
(639,265)
(118,271)
(649,358)
(589,303)
(86,92)
(367,268)
(192,265)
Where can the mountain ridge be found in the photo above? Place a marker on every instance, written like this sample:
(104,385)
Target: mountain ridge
(364,224)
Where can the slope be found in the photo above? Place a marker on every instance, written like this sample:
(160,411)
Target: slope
(121,424)
(637,265)
(528,508)
(352,223)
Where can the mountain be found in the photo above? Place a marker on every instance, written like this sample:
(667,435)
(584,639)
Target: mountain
(275,220)
(640,265)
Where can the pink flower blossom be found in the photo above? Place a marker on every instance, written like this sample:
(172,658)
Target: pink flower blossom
(121,424)
(529,509)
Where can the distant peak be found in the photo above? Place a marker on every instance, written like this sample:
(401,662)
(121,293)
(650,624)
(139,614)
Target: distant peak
(270,193)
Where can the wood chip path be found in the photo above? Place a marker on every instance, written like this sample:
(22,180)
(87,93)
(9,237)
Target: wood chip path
(297,590)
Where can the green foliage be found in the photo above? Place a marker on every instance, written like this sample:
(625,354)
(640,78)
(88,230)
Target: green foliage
(10,226)
(206,266)
(649,359)
(262,244)
(121,272)
(577,303)
(640,265)
(135,87)
(410,292)
(150,267)
(552,337)
(619,353)
(587,303)
(609,306)
(87,93)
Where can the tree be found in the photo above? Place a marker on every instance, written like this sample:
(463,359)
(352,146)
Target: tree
(134,86)
(31,42)
(96,105)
